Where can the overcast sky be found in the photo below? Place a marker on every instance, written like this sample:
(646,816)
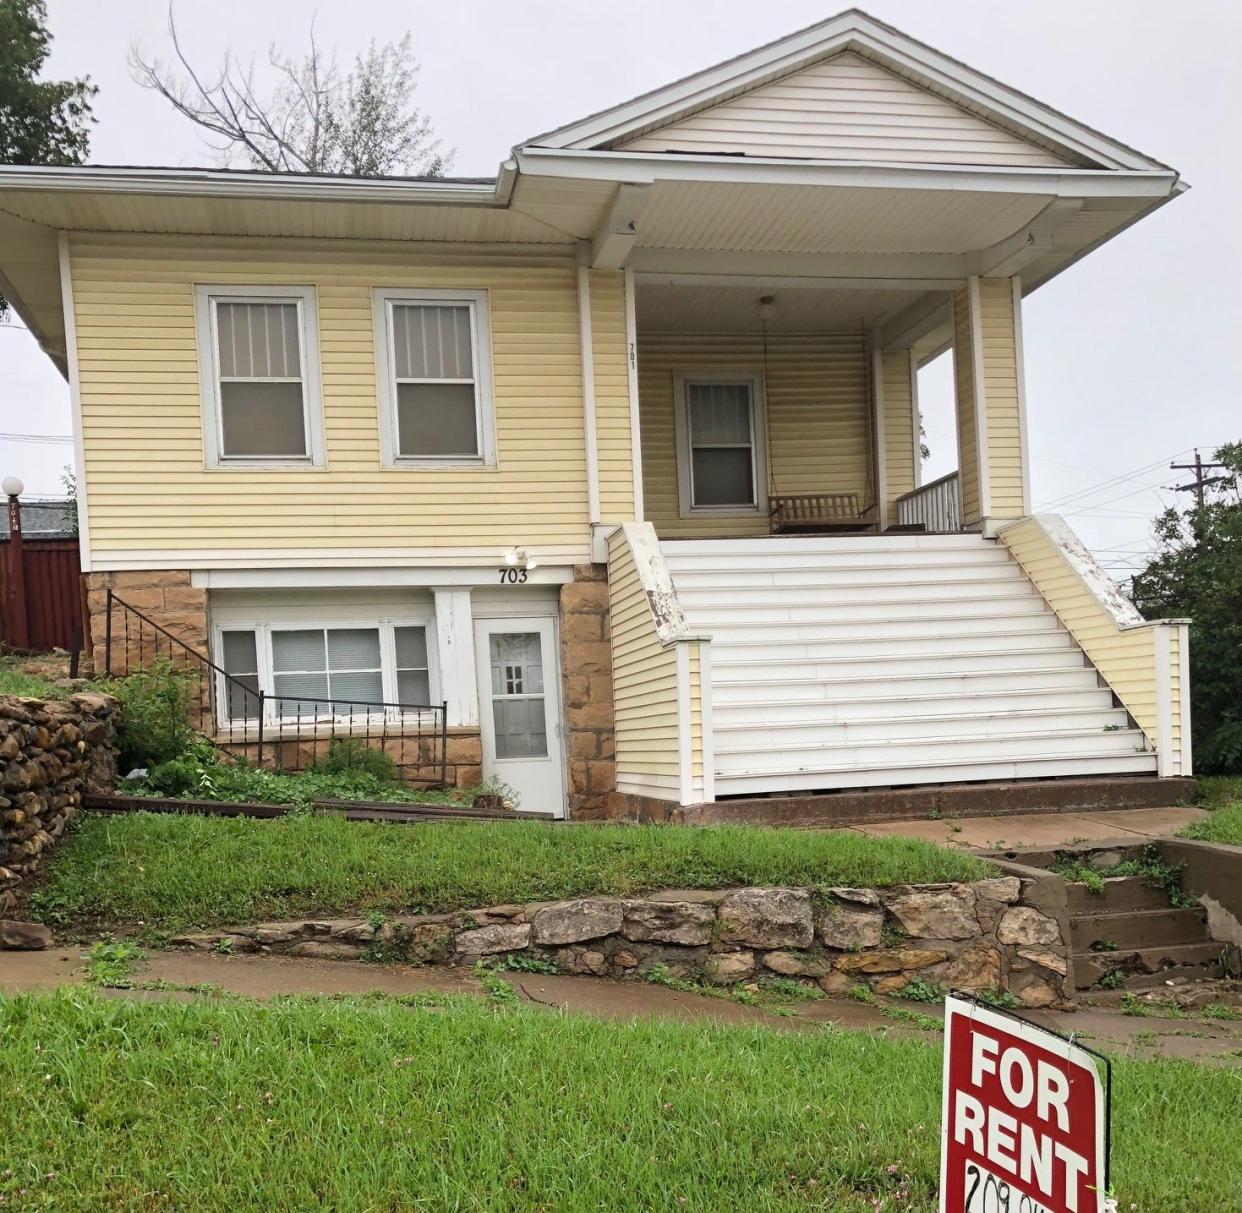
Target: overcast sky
(1133,357)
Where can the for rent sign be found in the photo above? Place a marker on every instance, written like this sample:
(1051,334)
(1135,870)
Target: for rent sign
(1023,1123)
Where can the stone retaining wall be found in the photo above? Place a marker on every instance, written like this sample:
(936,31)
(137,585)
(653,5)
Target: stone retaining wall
(980,936)
(51,753)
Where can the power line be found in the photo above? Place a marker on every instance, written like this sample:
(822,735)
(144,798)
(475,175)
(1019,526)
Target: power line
(1112,482)
(36,437)
(1201,480)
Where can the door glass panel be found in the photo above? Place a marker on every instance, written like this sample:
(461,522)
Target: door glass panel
(516,660)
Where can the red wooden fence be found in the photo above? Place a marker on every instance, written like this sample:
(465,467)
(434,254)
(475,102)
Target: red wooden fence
(49,582)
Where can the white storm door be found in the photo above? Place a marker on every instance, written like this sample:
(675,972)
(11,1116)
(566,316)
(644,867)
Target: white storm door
(520,709)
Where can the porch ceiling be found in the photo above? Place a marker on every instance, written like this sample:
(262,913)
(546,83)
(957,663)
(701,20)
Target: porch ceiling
(667,307)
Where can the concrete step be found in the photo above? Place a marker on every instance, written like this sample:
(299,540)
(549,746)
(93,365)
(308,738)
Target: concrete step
(1139,928)
(1153,962)
(1121,895)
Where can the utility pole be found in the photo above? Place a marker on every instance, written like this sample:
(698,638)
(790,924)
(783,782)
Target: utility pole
(1201,480)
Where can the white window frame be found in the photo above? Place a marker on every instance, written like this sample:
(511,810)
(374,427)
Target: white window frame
(263,630)
(758,447)
(383,300)
(206,296)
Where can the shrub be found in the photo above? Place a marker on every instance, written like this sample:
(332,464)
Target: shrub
(155,713)
(350,756)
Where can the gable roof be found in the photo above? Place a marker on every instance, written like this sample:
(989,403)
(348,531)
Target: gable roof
(923,67)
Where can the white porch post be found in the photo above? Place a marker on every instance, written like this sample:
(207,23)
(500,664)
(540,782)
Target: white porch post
(455,653)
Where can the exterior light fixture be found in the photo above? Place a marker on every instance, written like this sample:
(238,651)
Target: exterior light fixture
(12,486)
(767,307)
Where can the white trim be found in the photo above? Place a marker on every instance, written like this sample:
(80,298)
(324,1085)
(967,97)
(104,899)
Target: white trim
(645,168)
(454,633)
(478,563)
(916,418)
(617,231)
(478,305)
(980,397)
(877,406)
(631,374)
(587,349)
(223,183)
(75,399)
(705,720)
(1166,756)
(1183,686)
(810,271)
(206,297)
(891,48)
(1020,373)
(685,725)
(759,456)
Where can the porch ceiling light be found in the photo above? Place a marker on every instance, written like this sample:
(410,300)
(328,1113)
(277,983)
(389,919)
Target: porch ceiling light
(767,307)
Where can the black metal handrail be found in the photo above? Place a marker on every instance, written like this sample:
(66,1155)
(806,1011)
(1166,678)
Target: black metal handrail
(414,736)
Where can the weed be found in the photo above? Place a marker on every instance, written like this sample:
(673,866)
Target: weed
(926,1023)
(789,989)
(1114,979)
(1219,1010)
(499,991)
(524,962)
(998,998)
(1104,945)
(862,993)
(892,934)
(920,990)
(112,962)
(223,946)
(376,919)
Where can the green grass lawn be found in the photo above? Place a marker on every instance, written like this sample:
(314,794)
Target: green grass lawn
(1223,795)
(172,873)
(369,1105)
(14,679)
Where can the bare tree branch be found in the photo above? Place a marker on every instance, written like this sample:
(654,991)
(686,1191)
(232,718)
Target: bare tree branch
(312,118)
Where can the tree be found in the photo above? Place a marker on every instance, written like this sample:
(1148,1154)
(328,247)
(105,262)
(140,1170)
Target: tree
(41,121)
(314,118)
(1198,573)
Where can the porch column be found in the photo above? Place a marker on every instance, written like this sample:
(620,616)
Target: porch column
(455,653)
(991,406)
(896,427)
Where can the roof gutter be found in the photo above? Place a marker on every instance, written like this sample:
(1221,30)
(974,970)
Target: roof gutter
(200,183)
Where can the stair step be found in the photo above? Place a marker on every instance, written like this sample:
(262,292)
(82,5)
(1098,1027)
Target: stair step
(945,648)
(898,728)
(861,581)
(793,688)
(737,633)
(888,702)
(728,668)
(1153,962)
(827,545)
(1121,895)
(1139,928)
(933,771)
(1001,596)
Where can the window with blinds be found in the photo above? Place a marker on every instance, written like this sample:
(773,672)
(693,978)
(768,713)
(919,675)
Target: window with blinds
(434,377)
(260,392)
(721,440)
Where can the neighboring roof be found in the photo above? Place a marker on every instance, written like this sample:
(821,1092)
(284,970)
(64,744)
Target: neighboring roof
(45,518)
(857,31)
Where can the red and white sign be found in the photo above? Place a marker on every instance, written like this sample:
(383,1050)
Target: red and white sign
(1023,1124)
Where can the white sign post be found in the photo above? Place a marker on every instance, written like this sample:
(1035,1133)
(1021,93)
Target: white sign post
(1024,1120)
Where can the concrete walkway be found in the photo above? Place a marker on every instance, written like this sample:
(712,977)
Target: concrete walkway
(171,974)
(1042,829)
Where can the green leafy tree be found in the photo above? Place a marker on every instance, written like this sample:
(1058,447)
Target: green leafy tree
(1198,573)
(41,121)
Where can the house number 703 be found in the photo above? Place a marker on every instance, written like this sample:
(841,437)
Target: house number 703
(512,576)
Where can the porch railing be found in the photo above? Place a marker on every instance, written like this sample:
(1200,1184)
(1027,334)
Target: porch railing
(284,731)
(934,507)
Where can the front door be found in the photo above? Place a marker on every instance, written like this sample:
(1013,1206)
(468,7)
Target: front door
(520,709)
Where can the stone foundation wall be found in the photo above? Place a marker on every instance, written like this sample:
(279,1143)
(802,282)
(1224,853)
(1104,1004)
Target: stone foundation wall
(586,664)
(51,753)
(162,595)
(980,936)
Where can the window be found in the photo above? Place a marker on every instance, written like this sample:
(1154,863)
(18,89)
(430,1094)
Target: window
(324,671)
(720,443)
(258,347)
(434,366)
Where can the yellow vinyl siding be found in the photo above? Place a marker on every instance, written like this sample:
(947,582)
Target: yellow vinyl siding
(816,389)
(644,680)
(612,396)
(964,384)
(1006,491)
(1125,657)
(148,486)
(900,438)
(845,108)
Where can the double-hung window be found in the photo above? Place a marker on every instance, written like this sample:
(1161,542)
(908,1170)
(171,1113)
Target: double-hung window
(433,360)
(258,351)
(720,449)
(323,671)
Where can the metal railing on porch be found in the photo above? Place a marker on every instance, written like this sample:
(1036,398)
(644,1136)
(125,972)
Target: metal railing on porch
(935,507)
(290,732)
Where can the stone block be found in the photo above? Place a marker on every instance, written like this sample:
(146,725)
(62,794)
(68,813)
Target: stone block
(725,968)
(849,926)
(1024,925)
(891,985)
(973,969)
(575,921)
(767,918)
(678,922)
(891,960)
(1000,888)
(947,913)
(580,629)
(24,936)
(503,937)
(1052,961)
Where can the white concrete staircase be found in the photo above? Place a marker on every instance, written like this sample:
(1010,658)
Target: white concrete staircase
(865,661)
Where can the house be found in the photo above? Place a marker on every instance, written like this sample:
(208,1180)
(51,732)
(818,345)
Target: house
(616,455)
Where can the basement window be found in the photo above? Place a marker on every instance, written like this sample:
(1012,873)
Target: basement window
(720,452)
(433,362)
(260,376)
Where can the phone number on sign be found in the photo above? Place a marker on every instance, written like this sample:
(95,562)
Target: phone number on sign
(985,1193)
